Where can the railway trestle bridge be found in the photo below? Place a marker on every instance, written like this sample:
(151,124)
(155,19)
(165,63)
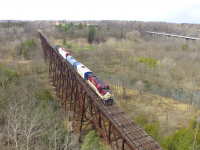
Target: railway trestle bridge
(87,109)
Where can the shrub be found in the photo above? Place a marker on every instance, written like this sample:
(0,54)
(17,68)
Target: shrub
(133,35)
(142,121)
(184,47)
(69,46)
(148,61)
(23,47)
(91,142)
(19,48)
(7,76)
(64,41)
(154,131)
(183,139)
(31,44)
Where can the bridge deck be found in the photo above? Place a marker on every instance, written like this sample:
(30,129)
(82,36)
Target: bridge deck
(172,35)
(125,125)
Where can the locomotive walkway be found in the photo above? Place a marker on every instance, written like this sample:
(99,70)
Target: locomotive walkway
(87,109)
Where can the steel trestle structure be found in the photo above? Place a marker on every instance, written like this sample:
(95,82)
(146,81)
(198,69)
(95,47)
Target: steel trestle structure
(86,107)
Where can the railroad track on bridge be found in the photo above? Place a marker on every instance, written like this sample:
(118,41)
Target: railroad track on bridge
(87,108)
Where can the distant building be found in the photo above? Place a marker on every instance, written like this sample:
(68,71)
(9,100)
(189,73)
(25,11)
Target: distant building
(55,22)
(92,25)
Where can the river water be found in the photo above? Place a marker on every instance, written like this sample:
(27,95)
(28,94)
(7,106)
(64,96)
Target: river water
(170,92)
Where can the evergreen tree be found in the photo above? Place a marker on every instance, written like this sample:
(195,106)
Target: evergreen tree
(80,26)
(108,28)
(91,34)
(71,24)
(139,27)
(91,142)
(185,142)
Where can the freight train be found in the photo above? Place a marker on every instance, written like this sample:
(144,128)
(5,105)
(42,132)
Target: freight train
(101,88)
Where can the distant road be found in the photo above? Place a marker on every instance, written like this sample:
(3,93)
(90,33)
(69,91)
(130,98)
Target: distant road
(172,35)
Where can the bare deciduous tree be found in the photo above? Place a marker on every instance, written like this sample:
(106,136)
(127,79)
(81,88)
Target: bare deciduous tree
(139,87)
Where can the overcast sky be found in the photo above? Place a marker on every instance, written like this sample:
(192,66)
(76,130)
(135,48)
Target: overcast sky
(175,11)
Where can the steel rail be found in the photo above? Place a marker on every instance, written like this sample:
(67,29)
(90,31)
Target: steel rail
(120,119)
(134,128)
